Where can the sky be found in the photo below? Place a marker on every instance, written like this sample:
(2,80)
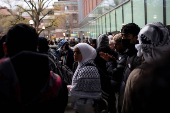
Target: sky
(16,2)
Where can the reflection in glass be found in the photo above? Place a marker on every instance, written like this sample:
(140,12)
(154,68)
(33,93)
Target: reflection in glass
(138,13)
(119,18)
(112,16)
(104,24)
(167,12)
(127,13)
(98,28)
(154,7)
(100,25)
(102,8)
(107,22)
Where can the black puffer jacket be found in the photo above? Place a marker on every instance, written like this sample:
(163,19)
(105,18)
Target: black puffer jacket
(115,70)
(132,62)
(103,46)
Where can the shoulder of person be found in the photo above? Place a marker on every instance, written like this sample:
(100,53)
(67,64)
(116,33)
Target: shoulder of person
(88,68)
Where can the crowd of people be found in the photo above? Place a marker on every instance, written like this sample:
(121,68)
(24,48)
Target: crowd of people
(115,73)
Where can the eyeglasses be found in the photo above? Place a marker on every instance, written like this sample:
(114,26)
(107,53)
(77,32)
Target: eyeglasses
(78,52)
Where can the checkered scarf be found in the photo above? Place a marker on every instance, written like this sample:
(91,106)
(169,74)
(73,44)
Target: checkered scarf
(86,82)
(86,79)
(153,39)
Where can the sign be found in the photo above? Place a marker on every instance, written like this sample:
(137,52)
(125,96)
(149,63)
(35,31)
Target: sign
(74,34)
(53,37)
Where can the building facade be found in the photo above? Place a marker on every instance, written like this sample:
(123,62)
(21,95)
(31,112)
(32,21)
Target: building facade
(69,9)
(103,16)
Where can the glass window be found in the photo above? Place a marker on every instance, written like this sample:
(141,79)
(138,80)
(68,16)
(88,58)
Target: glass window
(154,11)
(87,27)
(75,16)
(74,8)
(167,12)
(139,13)
(66,8)
(107,22)
(127,13)
(100,25)
(104,23)
(106,6)
(90,29)
(67,25)
(111,3)
(112,16)
(74,25)
(98,28)
(119,18)
(95,31)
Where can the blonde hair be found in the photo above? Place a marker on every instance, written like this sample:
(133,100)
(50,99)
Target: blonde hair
(117,37)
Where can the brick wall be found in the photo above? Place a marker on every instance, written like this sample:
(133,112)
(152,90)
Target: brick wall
(89,5)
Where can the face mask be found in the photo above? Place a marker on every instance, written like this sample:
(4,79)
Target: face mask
(67,47)
(126,42)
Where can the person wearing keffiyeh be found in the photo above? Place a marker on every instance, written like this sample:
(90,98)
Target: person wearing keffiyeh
(86,85)
(154,41)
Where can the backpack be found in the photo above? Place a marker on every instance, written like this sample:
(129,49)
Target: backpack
(11,88)
(65,72)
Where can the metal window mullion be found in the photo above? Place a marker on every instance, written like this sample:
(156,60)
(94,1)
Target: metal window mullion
(164,12)
(145,8)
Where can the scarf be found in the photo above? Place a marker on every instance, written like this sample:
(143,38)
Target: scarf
(86,79)
(154,40)
(63,56)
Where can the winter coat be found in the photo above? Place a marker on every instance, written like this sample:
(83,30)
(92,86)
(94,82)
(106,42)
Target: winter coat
(29,85)
(147,88)
(69,54)
(132,62)
(134,76)
(103,46)
(115,70)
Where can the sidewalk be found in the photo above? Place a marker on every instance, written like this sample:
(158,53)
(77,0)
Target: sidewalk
(69,109)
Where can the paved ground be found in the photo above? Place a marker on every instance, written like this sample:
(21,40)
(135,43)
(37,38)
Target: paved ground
(69,109)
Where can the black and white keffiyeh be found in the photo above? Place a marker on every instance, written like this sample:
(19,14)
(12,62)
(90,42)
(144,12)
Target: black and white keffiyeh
(86,79)
(153,39)
(86,83)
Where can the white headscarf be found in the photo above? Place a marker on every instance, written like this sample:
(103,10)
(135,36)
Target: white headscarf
(87,52)
(90,74)
(153,39)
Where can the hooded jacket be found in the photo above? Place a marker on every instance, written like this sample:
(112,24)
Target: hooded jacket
(103,46)
(68,55)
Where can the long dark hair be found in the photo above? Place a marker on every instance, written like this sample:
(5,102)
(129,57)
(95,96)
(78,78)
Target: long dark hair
(94,42)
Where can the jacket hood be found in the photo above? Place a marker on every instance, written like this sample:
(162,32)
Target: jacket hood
(62,43)
(102,41)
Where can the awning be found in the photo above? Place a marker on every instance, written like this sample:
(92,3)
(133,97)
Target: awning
(83,29)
